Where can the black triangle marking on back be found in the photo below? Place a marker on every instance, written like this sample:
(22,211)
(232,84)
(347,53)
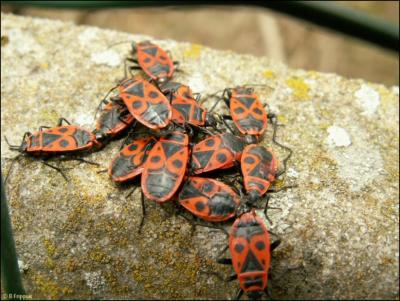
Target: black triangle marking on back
(184,109)
(203,157)
(251,263)
(189,191)
(137,90)
(170,148)
(247,101)
(152,51)
(49,138)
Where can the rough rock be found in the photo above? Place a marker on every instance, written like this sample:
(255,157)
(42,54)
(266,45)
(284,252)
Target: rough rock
(79,240)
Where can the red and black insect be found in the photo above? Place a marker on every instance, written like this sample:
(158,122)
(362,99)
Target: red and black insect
(130,160)
(114,119)
(174,89)
(153,60)
(250,249)
(165,167)
(185,108)
(216,152)
(259,167)
(145,102)
(246,111)
(60,140)
(188,110)
(209,199)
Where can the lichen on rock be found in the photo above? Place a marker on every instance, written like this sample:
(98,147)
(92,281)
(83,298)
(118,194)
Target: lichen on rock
(339,226)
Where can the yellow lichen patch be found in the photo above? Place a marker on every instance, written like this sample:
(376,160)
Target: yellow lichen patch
(193,51)
(269,74)
(78,214)
(279,183)
(98,255)
(282,119)
(48,114)
(300,88)
(50,247)
(49,263)
(313,74)
(44,66)
(49,288)
(386,96)
(71,264)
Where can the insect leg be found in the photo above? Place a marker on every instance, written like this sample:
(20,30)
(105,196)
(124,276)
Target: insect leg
(60,121)
(239,294)
(275,123)
(274,245)
(143,212)
(57,169)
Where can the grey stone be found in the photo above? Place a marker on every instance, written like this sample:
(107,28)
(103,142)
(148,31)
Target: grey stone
(339,226)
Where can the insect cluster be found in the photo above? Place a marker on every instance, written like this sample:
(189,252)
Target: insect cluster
(209,163)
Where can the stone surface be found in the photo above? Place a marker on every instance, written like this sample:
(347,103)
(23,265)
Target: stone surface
(78,239)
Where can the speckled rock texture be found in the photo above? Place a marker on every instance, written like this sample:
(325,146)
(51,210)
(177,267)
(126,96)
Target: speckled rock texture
(79,240)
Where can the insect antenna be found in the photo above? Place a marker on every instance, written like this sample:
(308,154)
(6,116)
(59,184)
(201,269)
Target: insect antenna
(12,147)
(11,166)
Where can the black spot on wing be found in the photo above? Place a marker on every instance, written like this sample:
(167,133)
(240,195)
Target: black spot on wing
(133,147)
(200,206)
(257,111)
(260,245)
(207,186)
(155,159)
(64,143)
(210,142)
(239,248)
(153,94)
(177,163)
(238,110)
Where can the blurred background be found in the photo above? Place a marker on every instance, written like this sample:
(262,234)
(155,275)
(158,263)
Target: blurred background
(251,30)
